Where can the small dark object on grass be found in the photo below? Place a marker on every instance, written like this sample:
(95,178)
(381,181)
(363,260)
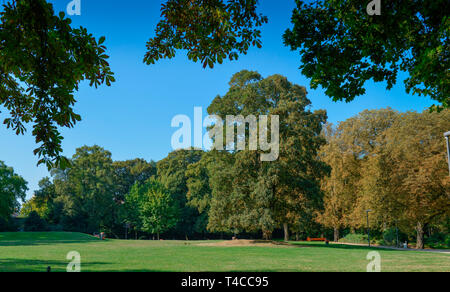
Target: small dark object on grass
(327,242)
(49,269)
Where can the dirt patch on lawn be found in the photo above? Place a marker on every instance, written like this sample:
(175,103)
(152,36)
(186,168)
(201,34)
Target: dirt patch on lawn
(244,242)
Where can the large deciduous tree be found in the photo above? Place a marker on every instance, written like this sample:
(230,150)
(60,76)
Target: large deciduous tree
(42,62)
(341,186)
(349,150)
(342,46)
(86,191)
(409,182)
(264,195)
(172,174)
(12,189)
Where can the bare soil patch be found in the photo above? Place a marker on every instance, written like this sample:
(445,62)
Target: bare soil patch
(245,242)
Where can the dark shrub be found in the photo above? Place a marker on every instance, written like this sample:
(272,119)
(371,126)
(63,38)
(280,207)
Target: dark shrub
(389,237)
(438,240)
(8,225)
(35,223)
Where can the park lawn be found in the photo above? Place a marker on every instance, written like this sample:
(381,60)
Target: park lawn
(36,251)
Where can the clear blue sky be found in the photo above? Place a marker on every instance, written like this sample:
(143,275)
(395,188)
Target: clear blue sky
(133,117)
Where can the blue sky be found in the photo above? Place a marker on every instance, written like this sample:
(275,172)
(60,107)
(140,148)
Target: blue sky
(133,117)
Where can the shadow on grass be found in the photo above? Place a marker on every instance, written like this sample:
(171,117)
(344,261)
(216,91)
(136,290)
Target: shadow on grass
(45,242)
(27,265)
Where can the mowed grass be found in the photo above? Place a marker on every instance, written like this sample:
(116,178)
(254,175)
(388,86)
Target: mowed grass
(21,252)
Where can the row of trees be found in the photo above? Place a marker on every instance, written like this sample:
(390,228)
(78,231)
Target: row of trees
(216,191)
(326,176)
(391,163)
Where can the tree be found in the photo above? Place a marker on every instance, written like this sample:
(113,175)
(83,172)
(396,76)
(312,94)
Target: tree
(127,173)
(86,190)
(42,200)
(210,31)
(266,194)
(130,212)
(340,187)
(172,174)
(12,189)
(34,205)
(342,46)
(158,212)
(42,61)
(349,150)
(198,183)
(412,165)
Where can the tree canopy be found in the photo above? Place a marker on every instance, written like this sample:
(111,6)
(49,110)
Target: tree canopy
(43,59)
(42,62)
(392,163)
(12,189)
(342,47)
(210,31)
(156,209)
(384,160)
(172,174)
(265,195)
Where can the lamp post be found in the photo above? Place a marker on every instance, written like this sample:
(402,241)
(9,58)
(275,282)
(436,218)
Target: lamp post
(396,233)
(447,137)
(368,227)
(127,226)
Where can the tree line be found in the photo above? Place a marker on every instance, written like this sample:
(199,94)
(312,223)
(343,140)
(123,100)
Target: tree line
(325,179)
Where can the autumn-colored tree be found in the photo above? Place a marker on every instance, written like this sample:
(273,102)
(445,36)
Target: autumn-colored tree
(341,186)
(349,146)
(410,181)
(363,135)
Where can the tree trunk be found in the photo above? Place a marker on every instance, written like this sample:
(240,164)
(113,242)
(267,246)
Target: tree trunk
(336,234)
(157,235)
(296,236)
(420,233)
(286,232)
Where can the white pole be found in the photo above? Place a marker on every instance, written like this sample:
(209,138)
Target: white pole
(447,136)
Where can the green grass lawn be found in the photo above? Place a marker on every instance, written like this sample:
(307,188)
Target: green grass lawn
(36,251)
